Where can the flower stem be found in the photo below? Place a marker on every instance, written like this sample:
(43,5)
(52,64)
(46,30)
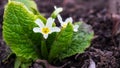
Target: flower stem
(44,50)
(17,63)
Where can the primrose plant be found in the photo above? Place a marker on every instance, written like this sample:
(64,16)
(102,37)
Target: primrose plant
(31,36)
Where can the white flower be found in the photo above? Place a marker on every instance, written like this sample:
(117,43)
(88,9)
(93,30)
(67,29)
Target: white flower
(45,29)
(68,20)
(57,10)
(76,28)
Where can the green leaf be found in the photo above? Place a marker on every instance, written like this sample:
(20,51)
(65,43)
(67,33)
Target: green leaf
(18,31)
(29,3)
(61,42)
(21,63)
(80,41)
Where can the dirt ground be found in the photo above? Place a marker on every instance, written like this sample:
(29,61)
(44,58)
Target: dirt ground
(105,47)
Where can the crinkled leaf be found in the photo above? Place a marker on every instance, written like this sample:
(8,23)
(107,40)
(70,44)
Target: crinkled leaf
(29,3)
(80,40)
(18,30)
(61,42)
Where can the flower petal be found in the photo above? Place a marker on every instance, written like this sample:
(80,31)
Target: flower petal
(39,23)
(69,20)
(36,29)
(55,29)
(75,27)
(45,36)
(55,7)
(49,22)
(60,19)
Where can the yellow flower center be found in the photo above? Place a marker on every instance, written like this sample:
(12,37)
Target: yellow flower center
(64,25)
(45,30)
